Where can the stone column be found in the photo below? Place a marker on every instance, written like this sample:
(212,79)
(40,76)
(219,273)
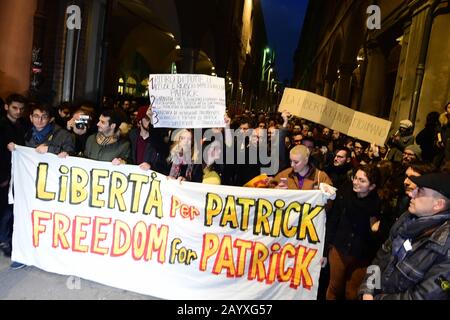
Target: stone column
(328,86)
(95,33)
(375,80)
(409,57)
(16,34)
(344,82)
(435,89)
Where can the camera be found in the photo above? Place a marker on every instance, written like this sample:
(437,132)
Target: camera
(82,122)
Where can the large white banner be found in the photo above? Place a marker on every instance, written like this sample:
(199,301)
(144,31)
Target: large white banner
(187,100)
(137,230)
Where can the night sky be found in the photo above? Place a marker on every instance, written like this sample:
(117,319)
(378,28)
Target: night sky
(284,19)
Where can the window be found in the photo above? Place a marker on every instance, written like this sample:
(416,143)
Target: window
(144,86)
(130,86)
(121,86)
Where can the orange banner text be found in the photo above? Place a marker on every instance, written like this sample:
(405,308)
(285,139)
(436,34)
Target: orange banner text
(91,234)
(265,264)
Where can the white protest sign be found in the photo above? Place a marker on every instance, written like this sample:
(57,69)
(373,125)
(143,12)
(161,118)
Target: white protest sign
(187,100)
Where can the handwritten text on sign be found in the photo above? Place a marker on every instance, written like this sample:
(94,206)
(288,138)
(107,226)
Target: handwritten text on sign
(328,113)
(187,100)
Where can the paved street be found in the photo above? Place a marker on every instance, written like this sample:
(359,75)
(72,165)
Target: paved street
(31,283)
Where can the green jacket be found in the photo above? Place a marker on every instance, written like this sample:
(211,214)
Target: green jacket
(119,149)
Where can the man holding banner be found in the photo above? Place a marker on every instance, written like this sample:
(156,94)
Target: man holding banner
(45,135)
(165,239)
(12,130)
(106,144)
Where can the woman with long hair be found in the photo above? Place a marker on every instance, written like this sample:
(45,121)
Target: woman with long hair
(182,155)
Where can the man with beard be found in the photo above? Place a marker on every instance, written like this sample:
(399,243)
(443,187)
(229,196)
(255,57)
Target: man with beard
(358,156)
(401,139)
(106,144)
(411,154)
(148,149)
(338,170)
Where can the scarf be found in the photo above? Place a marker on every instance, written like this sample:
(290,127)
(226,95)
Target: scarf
(102,140)
(178,161)
(40,136)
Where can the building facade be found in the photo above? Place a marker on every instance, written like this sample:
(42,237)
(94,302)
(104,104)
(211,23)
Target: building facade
(398,69)
(118,43)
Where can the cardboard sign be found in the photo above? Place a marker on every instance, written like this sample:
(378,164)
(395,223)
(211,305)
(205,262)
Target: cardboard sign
(330,114)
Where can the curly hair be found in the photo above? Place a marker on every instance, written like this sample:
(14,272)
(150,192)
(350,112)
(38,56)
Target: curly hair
(372,173)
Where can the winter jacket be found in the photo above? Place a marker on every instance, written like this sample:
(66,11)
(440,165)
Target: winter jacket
(155,154)
(397,147)
(58,140)
(311,182)
(415,260)
(9,132)
(348,223)
(108,152)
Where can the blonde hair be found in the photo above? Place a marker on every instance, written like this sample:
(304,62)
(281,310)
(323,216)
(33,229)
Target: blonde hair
(176,149)
(301,150)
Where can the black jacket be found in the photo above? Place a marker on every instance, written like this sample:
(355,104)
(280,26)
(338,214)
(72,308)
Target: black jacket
(348,223)
(156,152)
(339,175)
(58,140)
(9,132)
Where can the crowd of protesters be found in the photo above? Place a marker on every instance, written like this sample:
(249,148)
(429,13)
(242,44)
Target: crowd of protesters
(374,183)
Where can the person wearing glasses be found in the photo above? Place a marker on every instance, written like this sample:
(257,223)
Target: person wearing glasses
(401,196)
(296,140)
(402,138)
(45,135)
(358,155)
(411,154)
(339,169)
(414,262)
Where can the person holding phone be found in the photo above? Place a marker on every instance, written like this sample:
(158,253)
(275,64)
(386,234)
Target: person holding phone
(302,175)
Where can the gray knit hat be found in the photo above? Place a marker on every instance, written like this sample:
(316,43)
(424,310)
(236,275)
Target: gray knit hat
(416,150)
